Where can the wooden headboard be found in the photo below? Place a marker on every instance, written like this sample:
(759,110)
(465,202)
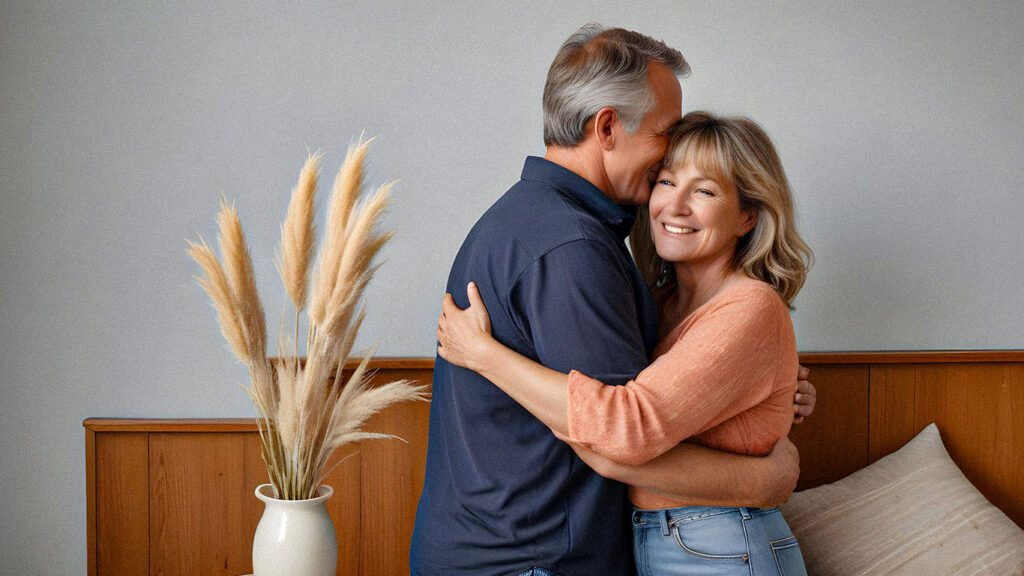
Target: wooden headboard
(169,497)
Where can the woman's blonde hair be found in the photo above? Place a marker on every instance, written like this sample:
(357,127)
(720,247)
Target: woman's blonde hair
(736,150)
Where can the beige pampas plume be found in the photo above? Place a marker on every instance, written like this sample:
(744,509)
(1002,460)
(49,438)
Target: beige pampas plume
(351,415)
(362,243)
(216,285)
(297,234)
(242,279)
(248,307)
(289,377)
(307,408)
(347,188)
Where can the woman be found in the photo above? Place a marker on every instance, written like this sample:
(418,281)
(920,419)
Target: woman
(729,263)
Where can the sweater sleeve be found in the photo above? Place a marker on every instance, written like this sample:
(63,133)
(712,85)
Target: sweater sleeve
(725,362)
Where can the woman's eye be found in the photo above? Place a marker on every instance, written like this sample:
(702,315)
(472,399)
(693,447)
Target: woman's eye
(705,192)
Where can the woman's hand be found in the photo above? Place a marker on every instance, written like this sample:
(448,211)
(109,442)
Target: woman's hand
(464,335)
(464,339)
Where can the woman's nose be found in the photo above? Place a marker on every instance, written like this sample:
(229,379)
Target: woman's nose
(680,204)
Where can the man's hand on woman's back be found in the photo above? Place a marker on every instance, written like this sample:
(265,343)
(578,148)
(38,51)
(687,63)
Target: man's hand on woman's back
(806,396)
(785,459)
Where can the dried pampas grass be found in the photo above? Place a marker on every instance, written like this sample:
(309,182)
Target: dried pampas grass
(306,410)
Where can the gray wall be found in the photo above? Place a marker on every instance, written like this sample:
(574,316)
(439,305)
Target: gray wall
(901,125)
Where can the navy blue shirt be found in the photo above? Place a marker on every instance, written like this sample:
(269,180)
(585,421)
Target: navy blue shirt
(502,494)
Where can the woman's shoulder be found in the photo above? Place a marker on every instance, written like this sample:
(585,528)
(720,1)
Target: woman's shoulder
(749,305)
(751,291)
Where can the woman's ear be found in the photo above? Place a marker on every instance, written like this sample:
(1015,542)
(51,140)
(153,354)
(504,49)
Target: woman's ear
(749,222)
(604,124)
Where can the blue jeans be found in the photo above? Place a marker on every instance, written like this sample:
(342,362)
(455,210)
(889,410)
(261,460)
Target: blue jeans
(709,541)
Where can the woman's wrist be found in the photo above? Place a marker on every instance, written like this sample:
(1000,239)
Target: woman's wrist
(485,350)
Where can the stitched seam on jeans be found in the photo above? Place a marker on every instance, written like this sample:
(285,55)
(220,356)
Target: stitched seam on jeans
(789,543)
(679,541)
(696,517)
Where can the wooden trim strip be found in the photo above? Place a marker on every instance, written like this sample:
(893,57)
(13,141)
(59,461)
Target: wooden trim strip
(395,363)
(813,357)
(170,424)
(913,357)
(425,363)
(90,501)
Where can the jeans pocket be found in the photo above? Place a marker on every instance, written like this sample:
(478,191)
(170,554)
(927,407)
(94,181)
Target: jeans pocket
(788,558)
(715,538)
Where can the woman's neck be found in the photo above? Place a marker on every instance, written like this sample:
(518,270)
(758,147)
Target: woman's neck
(699,282)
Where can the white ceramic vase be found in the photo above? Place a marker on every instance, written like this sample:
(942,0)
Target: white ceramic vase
(294,536)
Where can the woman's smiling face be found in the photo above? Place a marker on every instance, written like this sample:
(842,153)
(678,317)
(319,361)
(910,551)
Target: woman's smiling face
(696,217)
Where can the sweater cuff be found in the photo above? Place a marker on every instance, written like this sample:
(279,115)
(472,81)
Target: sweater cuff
(581,388)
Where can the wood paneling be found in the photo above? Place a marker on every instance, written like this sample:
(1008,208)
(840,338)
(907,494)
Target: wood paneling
(979,409)
(348,504)
(913,357)
(176,496)
(892,408)
(173,497)
(90,500)
(395,477)
(122,504)
(197,492)
(833,442)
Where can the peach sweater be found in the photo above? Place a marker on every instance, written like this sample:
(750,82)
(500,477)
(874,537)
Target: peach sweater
(724,377)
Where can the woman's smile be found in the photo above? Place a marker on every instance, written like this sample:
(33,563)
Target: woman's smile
(678,230)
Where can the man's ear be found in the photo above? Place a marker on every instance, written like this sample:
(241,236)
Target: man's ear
(604,124)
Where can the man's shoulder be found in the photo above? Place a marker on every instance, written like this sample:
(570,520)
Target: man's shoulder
(539,218)
(534,226)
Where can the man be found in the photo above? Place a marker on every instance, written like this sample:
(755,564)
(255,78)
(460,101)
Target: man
(502,495)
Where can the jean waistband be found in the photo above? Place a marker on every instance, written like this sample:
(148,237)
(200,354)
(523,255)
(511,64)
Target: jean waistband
(690,513)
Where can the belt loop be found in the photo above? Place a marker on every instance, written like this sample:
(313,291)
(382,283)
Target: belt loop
(663,517)
(745,513)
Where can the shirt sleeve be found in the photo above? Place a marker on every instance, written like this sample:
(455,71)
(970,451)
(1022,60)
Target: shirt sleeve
(578,305)
(725,363)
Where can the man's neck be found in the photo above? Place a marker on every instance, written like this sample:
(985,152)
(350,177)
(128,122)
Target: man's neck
(584,163)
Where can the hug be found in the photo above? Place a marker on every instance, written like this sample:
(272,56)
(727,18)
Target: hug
(601,412)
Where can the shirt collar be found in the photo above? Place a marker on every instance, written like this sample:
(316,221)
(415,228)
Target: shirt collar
(582,193)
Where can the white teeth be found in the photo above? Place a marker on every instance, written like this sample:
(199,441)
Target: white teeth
(676,230)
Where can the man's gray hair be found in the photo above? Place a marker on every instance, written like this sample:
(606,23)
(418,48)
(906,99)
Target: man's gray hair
(598,67)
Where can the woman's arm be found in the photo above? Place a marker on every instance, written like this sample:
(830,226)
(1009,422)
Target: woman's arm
(736,353)
(711,478)
(628,424)
(465,340)
(671,400)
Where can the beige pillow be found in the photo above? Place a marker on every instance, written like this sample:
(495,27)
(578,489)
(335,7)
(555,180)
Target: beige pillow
(912,512)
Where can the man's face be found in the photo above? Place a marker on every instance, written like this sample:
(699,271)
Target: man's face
(634,162)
